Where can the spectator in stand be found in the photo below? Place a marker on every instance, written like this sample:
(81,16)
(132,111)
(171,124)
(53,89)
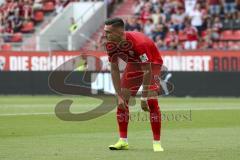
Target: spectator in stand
(160,43)
(1,17)
(207,40)
(168,7)
(192,36)
(37,5)
(146,13)
(148,28)
(189,6)
(236,20)
(178,3)
(10,16)
(157,16)
(162,19)
(59,6)
(138,5)
(7,32)
(227,22)
(156,5)
(132,24)
(214,6)
(177,19)
(20,8)
(172,40)
(197,18)
(160,31)
(10,5)
(216,29)
(28,10)
(1,24)
(205,15)
(17,22)
(229,6)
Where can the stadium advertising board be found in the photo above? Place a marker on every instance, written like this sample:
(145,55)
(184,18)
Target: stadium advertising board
(220,61)
(205,61)
(44,61)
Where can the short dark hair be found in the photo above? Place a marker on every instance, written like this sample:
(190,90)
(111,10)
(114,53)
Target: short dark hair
(115,22)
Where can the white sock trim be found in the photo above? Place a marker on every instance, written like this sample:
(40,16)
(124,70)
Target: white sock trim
(156,142)
(124,139)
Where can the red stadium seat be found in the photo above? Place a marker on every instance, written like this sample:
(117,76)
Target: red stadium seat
(202,45)
(17,37)
(222,45)
(237,35)
(39,16)
(6,47)
(28,27)
(233,45)
(215,45)
(48,6)
(227,35)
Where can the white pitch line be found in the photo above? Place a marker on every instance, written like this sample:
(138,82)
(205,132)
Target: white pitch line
(131,110)
(26,114)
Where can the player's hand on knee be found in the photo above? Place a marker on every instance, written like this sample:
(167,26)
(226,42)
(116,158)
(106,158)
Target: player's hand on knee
(144,106)
(121,103)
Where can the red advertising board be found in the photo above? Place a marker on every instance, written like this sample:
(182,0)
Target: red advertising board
(42,61)
(173,60)
(202,60)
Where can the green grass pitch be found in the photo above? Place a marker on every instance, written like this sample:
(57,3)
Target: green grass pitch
(193,129)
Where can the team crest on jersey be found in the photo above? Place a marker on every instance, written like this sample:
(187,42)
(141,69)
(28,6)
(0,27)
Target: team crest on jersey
(143,57)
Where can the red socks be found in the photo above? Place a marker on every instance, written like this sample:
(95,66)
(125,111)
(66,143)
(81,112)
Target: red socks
(155,120)
(122,119)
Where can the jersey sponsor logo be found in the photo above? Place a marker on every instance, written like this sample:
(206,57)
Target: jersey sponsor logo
(111,47)
(125,45)
(143,57)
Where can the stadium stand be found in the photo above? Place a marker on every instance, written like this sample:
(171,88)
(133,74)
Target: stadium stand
(216,22)
(25,17)
(21,17)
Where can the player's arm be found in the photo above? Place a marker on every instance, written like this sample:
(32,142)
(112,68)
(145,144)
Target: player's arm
(147,74)
(146,68)
(115,73)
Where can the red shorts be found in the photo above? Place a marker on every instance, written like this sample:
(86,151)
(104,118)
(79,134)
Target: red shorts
(132,78)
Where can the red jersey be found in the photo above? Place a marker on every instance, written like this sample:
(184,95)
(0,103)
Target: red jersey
(145,16)
(213,2)
(171,38)
(192,33)
(136,48)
